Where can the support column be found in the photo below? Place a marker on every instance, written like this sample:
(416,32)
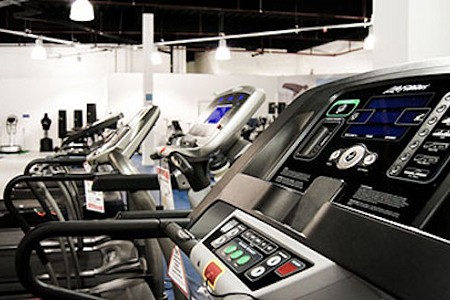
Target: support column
(179,59)
(148,145)
(410,30)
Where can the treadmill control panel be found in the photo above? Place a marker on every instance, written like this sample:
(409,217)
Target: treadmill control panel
(389,141)
(254,258)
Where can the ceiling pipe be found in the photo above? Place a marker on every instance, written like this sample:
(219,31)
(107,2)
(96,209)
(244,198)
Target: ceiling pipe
(35,36)
(160,6)
(265,33)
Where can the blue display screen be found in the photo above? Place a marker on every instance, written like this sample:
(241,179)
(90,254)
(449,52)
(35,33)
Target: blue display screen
(218,114)
(398,102)
(388,117)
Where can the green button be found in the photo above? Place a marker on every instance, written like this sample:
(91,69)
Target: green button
(236,254)
(243,260)
(230,249)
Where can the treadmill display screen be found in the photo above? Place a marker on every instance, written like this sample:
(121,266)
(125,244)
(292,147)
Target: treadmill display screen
(218,114)
(388,117)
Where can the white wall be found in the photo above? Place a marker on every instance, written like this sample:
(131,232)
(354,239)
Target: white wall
(428,28)
(410,30)
(125,94)
(67,81)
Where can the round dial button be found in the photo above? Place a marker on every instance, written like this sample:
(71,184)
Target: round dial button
(351,157)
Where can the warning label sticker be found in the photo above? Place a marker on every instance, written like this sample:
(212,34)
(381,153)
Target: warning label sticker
(177,272)
(94,200)
(165,186)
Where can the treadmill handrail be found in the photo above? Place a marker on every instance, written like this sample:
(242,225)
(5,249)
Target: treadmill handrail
(116,229)
(59,160)
(129,182)
(7,194)
(93,129)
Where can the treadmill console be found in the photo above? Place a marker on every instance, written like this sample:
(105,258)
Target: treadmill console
(249,257)
(219,125)
(256,259)
(388,141)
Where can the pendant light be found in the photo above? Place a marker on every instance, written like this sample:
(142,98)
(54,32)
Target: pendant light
(223,52)
(82,10)
(39,52)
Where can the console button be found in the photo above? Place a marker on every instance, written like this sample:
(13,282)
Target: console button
(395,170)
(269,248)
(414,144)
(342,108)
(405,156)
(424,132)
(351,157)
(441,108)
(432,120)
(233,232)
(236,254)
(335,155)
(219,241)
(257,271)
(435,146)
(289,268)
(228,225)
(426,160)
(370,159)
(243,260)
(274,260)
(230,249)
(446,121)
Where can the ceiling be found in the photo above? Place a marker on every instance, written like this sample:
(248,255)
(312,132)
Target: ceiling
(120,21)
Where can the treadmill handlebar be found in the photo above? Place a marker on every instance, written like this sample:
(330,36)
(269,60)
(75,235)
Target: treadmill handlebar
(181,237)
(116,229)
(129,182)
(59,160)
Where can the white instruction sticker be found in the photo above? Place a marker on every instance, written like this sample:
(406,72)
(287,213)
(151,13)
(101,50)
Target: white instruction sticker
(94,200)
(177,272)
(165,186)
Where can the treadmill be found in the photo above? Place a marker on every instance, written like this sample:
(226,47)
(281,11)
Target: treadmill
(102,249)
(214,142)
(344,196)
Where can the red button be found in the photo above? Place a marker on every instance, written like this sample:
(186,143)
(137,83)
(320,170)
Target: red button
(211,273)
(289,268)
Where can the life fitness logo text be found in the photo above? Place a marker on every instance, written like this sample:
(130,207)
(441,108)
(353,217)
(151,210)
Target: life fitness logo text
(406,88)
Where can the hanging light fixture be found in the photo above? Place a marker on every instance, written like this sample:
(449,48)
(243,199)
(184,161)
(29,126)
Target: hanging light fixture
(82,10)
(223,52)
(155,57)
(369,41)
(39,52)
